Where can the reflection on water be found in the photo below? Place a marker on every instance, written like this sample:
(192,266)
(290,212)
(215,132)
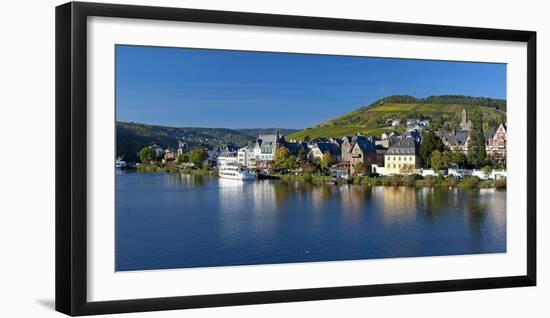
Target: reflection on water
(177,221)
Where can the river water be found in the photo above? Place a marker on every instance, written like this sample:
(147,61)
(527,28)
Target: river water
(179,221)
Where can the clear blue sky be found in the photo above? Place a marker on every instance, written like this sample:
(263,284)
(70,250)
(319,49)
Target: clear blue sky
(237,89)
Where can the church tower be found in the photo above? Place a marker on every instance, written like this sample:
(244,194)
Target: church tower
(465,124)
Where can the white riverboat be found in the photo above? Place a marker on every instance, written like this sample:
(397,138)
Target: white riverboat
(234,172)
(120,164)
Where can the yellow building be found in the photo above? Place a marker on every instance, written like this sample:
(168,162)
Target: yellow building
(402,158)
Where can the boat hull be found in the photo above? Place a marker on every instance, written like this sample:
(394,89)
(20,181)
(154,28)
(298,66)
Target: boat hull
(247,177)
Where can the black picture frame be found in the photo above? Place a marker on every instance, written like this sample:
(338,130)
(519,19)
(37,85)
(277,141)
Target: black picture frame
(71,157)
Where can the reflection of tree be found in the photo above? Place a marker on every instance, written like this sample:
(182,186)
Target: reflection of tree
(476,209)
(354,201)
(281,192)
(432,202)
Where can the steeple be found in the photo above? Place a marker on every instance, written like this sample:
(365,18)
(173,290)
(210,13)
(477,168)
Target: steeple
(465,124)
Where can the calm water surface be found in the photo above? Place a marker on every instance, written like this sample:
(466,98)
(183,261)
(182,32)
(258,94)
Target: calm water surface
(178,221)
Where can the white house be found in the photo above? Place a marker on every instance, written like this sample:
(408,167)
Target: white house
(267,145)
(394,122)
(246,157)
(226,158)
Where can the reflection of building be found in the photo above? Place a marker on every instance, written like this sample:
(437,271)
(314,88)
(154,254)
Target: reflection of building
(496,143)
(353,199)
(398,204)
(402,158)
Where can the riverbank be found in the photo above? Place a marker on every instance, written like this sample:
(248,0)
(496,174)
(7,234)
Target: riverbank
(404,181)
(469,182)
(176,169)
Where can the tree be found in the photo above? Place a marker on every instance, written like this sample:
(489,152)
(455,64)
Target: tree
(437,160)
(406,169)
(458,158)
(476,144)
(280,159)
(487,171)
(197,156)
(302,155)
(360,168)
(307,138)
(430,143)
(447,158)
(245,143)
(291,162)
(147,155)
(309,168)
(182,157)
(326,161)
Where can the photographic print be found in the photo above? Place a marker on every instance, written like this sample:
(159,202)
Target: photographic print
(227,158)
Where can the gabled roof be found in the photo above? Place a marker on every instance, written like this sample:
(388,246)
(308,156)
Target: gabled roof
(405,146)
(247,147)
(318,140)
(459,138)
(365,144)
(489,135)
(269,140)
(337,141)
(294,147)
(329,147)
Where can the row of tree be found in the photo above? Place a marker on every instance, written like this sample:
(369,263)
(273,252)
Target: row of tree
(283,159)
(196,156)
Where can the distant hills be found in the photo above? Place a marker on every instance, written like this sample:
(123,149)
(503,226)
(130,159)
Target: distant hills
(254,132)
(131,137)
(371,120)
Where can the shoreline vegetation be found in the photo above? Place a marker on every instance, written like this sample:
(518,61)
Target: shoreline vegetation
(468,182)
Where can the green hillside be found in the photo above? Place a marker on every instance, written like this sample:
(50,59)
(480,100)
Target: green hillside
(131,137)
(371,120)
